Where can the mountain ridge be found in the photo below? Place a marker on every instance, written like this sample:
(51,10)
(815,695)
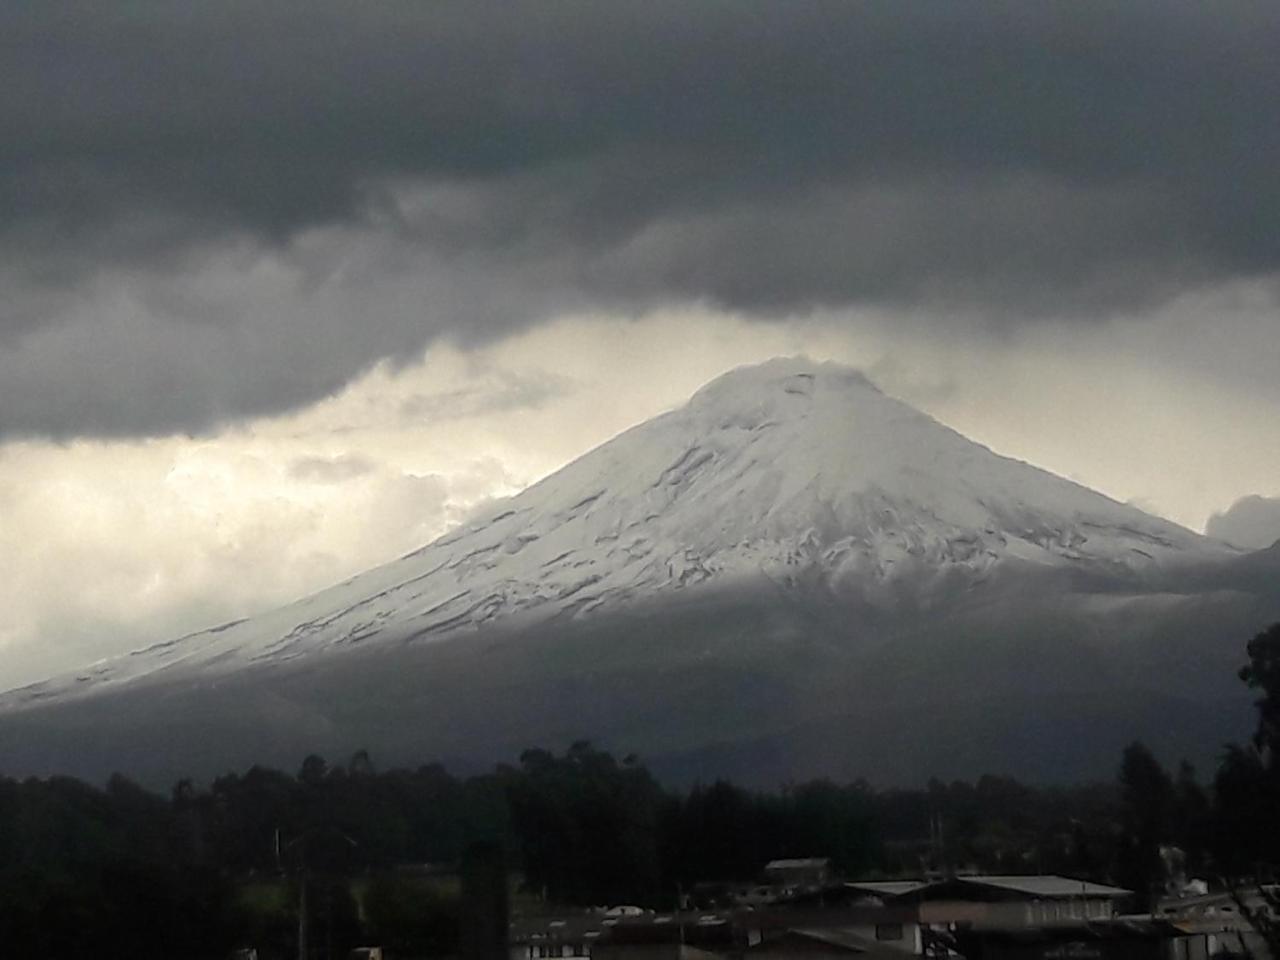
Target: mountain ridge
(789,555)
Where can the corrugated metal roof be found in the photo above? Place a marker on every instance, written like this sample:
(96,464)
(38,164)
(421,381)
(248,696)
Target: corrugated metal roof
(1047,885)
(887,888)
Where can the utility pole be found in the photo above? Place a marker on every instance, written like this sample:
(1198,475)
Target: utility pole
(680,913)
(301,841)
(328,924)
(302,902)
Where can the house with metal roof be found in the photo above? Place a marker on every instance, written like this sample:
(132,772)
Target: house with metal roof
(999,900)
(1123,938)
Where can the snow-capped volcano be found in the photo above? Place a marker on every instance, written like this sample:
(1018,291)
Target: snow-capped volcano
(791,575)
(781,471)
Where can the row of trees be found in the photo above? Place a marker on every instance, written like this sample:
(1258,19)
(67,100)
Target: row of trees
(209,867)
(213,865)
(1232,833)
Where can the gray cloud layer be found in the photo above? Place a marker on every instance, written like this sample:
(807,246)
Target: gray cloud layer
(492,164)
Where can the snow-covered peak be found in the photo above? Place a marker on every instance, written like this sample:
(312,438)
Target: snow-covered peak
(745,386)
(791,447)
(825,417)
(773,474)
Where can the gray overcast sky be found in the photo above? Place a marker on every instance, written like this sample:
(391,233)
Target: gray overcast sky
(1055,226)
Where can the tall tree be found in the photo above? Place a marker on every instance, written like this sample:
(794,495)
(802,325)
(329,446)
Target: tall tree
(1257,787)
(1262,673)
(1147,797)
(588,826)
(1191,817)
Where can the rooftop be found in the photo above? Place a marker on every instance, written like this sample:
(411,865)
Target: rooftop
(801,863)
(1041,886)
(887,888)
(1048,885)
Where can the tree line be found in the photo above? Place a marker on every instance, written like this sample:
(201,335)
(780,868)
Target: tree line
(214,865)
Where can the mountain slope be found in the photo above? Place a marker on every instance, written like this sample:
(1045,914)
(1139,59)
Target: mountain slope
(791,550)
(778,471)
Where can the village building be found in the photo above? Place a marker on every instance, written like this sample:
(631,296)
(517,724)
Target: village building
(1217,917)
(1122,938)
(999,901)
(979,917)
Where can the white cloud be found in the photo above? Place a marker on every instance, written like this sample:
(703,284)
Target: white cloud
(1252,522)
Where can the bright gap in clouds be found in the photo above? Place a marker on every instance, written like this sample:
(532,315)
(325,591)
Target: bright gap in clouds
(106,546)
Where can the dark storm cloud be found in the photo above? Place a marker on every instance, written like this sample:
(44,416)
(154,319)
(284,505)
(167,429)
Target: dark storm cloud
(996,159)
